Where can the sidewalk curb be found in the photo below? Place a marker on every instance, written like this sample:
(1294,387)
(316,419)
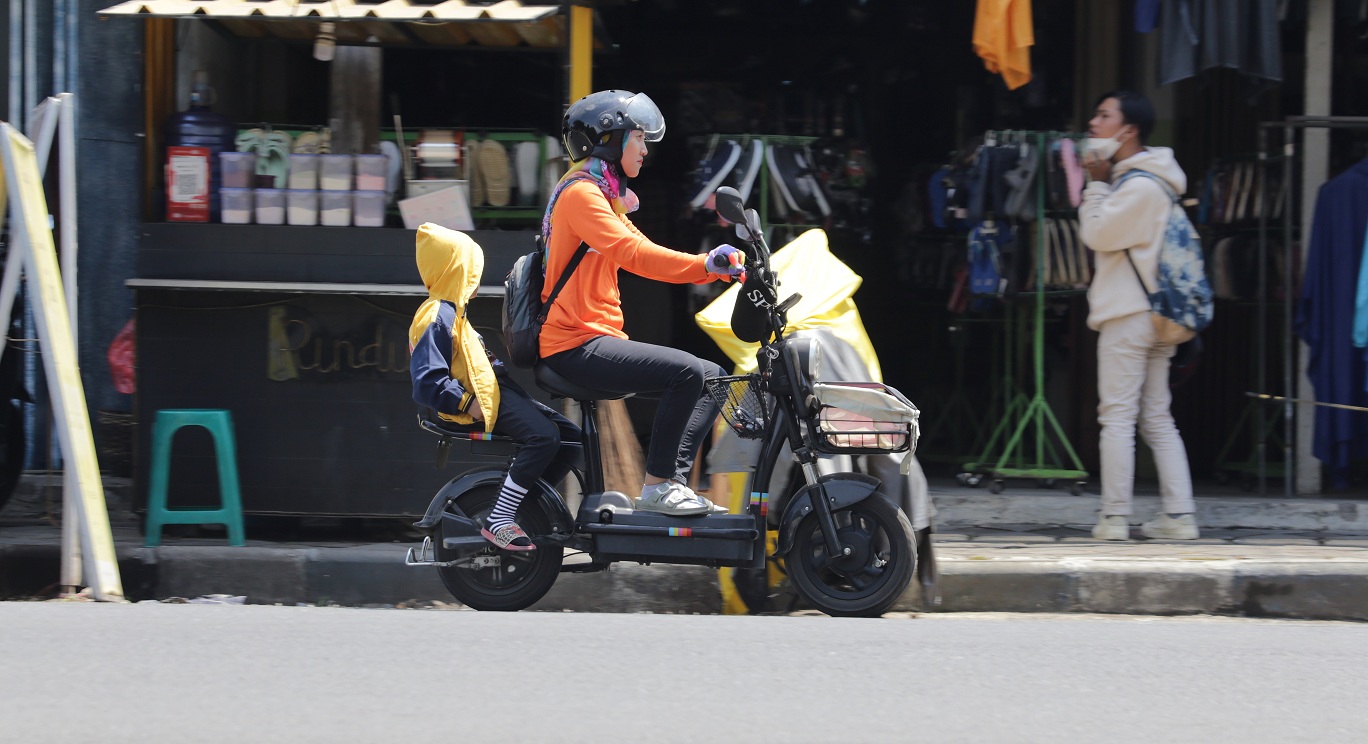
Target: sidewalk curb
(376,574)
(1319,590)
(969,507)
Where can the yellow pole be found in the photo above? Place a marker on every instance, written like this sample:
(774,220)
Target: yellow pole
(581,51)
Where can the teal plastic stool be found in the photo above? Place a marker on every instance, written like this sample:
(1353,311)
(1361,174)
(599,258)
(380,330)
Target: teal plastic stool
(220,425)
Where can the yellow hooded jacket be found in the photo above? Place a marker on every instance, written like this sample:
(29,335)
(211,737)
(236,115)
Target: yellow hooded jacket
(446,378)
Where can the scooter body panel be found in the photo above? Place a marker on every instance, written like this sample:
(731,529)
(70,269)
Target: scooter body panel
(842,490)
(713,540)
(546,498)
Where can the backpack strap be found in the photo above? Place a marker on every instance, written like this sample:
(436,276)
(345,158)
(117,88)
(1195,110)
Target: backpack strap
(1137,273)
(542,247)
(564,277)
(1173,196)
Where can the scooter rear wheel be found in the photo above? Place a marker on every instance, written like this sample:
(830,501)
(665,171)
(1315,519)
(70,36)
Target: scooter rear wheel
(520,579)
(868,581)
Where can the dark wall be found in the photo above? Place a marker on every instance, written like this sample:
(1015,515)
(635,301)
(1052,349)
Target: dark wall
(109,145)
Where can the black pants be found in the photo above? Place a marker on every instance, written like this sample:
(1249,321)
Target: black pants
(542,431)
(623,366)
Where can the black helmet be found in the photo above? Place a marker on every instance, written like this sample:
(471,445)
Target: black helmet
(595,124)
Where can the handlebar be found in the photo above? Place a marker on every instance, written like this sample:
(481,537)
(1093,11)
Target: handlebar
(761,289)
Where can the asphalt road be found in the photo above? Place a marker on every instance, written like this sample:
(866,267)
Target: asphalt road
(82,672)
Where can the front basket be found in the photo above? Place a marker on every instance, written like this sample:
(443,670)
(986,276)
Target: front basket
(863,418)
(742,400)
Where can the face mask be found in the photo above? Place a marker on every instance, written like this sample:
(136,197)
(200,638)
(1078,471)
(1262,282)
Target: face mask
(1102,148)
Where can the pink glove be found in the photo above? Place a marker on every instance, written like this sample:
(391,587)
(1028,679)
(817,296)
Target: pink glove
(727,261)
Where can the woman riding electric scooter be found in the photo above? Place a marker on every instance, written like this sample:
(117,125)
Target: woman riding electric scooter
(606,135)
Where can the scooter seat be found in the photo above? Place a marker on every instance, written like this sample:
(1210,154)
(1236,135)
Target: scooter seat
(559,387)
(429,422)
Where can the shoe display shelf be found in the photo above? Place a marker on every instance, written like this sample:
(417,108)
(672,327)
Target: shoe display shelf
(501,172)
(1028,441)
(764,195)
(1244,195)
(529,210)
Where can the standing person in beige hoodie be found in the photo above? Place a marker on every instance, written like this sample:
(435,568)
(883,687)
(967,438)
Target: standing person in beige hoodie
(1117,219)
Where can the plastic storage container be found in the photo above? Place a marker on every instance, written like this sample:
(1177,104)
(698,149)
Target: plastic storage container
(368,209)
(335,172)
(270,206)
(335,208)
(303,171)
(370,172)
(237,205)
(303,206)
(239,170)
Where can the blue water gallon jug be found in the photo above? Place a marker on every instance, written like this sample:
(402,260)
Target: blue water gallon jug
(199,126)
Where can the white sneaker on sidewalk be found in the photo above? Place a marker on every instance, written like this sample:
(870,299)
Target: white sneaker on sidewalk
(1164,527)
(672,498)
(1114,527)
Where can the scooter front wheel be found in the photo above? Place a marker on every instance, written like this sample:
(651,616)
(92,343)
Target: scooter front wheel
(867,580)
(501,580)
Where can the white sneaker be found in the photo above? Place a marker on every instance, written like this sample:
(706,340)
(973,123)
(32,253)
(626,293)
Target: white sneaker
(1114,527)
(672,498)
(1164,527)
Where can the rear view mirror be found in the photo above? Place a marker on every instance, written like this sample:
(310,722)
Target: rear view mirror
(730,206)
(753,220)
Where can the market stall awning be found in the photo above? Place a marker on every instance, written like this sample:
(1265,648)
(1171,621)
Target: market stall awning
(506,23)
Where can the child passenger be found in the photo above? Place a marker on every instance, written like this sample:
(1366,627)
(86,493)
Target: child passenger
(458,379)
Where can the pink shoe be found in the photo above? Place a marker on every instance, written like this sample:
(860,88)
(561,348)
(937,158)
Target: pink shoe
(509,537)
(1073,172)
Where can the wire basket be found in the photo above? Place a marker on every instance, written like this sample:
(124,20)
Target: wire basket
(843,432)
(742,400)
(863,418)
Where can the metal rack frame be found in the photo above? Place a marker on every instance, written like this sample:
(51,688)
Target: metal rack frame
(1033,412)
(1289,126)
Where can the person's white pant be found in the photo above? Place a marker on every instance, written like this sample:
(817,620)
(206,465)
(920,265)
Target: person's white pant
(1132,389)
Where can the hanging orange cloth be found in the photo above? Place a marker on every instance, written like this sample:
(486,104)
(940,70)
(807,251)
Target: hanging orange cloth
(1003,37)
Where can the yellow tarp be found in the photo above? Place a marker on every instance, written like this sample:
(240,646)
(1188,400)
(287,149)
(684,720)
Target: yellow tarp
(805,266)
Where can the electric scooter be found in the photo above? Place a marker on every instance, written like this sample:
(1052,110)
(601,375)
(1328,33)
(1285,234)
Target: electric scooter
(848,549)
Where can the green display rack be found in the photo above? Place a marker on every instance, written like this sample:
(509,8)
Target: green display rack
(1030,437)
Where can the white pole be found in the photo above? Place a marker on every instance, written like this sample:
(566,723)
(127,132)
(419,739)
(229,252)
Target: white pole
(66,201)
(43,124)
(16,60)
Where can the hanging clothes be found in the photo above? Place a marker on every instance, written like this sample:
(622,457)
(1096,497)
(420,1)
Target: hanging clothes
(1361,302)
(1003,37)
(1199,35)
(1146,15)
(1336,369)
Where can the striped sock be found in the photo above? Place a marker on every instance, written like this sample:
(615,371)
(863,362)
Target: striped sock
(506,508)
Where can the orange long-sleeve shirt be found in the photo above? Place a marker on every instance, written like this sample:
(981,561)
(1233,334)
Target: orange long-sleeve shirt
(590,305)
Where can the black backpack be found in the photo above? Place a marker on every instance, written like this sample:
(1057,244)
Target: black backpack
(523,311)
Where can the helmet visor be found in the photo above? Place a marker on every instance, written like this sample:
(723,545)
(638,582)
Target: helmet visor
(646,116)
